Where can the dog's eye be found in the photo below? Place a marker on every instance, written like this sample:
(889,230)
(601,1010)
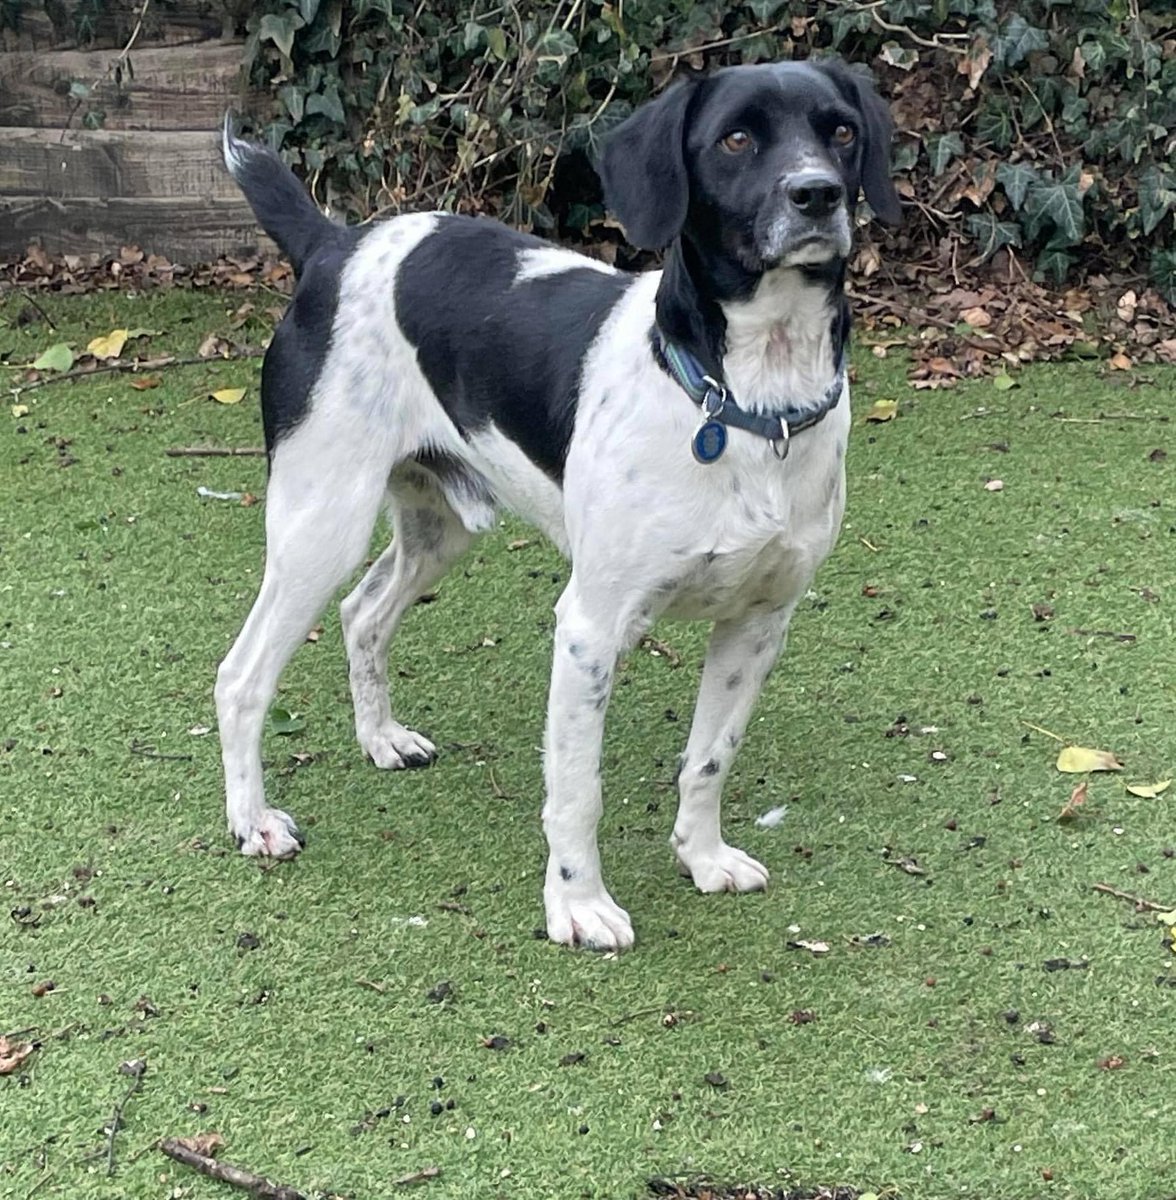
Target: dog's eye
(843,135)
(736,142)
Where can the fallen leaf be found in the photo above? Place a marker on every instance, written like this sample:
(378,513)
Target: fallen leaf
(518,543)
(58,357)
(285,722)
(1077,760)
(1149,791)
(214,346)
(1120,362)
(1112,1062)
(1005,382)
(143,383)
(228,395)
(12,1054)
(1077,799)
(883,410)
(807,944)
(109,346)
(978,318)
(994,485)
(205,1144)
(20,410)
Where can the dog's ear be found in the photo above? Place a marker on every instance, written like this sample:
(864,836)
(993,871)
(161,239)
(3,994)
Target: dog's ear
(643,169)
(878,129)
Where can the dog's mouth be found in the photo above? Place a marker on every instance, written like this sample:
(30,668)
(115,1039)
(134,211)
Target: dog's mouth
(786,243)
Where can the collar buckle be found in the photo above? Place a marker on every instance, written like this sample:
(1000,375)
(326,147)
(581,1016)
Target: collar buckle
(714,399)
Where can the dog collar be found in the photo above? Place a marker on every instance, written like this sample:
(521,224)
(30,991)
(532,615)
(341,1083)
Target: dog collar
(721,412)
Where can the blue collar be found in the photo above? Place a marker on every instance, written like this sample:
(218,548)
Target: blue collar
(720,410)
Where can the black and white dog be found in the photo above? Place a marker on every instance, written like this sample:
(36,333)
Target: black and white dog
(680,435)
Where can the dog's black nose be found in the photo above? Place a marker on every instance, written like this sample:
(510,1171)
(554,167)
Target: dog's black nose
(815,194)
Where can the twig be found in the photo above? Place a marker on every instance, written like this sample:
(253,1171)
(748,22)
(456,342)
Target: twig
(135,365)
(151,752)
(1107,633)
(136,1068)
(1139,902)
(868,544)
(31,299)
(654,646)
(417,1176)
(498,792)
(1045,731)
(238,1177)
(214,451)
(729,41)
(40,1183)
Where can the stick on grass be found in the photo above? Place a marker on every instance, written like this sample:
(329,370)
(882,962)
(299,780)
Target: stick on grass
(248,1181)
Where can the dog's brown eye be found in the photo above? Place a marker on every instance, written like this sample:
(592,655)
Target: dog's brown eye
(843,135)
(736,141)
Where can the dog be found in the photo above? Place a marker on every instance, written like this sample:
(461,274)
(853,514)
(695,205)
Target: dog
(679,434)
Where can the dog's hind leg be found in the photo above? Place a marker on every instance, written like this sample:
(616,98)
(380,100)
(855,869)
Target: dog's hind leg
(427,537)
(738,660)
(321,507)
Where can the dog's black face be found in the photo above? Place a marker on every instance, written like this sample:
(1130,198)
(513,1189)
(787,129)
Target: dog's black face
(760,166)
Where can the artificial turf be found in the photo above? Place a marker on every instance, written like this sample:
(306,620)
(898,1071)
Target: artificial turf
(384,1005)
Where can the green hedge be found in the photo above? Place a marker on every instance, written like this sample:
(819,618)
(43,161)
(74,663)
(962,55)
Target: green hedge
(1046,126)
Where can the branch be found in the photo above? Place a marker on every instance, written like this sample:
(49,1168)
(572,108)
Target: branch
(1140,903)
(215,451)
(150,364)
(136,1068)
(256,1185)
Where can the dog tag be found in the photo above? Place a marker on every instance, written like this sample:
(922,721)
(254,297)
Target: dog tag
(709,442)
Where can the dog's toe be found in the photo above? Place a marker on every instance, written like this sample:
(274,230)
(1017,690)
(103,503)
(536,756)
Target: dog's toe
(725,869)
(395,748)
(275,835)
(596,923)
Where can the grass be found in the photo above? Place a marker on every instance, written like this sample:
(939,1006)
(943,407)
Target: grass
(120,589)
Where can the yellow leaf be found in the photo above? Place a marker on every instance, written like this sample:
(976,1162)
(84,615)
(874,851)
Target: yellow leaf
(1149,791)
(883,410)
(228,395)
(20,410)
(110,346)
(1076,760)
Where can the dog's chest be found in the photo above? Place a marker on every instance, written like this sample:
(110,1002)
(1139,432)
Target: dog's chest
(764,533)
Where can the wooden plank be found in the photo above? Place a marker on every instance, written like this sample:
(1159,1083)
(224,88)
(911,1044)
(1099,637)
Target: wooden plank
(100,162)
(183,229)
(110,25)
(174,87)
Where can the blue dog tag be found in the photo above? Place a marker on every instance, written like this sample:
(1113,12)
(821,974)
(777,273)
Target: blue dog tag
(709,442)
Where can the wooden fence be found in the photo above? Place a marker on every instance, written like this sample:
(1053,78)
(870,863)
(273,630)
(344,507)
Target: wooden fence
(101,148)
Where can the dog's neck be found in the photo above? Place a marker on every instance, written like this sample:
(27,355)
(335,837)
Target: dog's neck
(775,339)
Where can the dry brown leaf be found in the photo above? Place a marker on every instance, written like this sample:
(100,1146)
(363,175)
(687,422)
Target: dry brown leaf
(143,383)
(206,1144)
(978,318)
(1077,799)
(13,1054)
(1120,362)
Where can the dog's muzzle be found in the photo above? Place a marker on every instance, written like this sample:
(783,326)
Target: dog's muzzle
(811,220)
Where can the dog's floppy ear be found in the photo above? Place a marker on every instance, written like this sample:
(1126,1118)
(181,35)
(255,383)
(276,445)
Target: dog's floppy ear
(643,170)
(878,129)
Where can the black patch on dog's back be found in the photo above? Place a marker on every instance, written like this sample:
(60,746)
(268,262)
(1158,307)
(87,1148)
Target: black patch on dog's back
(300,343)
(496,351)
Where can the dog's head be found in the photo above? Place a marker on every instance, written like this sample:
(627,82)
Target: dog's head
(761,165)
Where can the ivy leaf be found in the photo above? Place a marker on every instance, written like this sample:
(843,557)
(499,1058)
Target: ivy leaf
(327,103)
(764,10)
(308,10)
(284,722)
(1016,179)
(942,150)
(896,55)
(58,357)
(294,99)
(1157,196)
(473,35)
(1060,203)
(496,42)
(993,234)
(1017,40)
(1054,261)
(280,29)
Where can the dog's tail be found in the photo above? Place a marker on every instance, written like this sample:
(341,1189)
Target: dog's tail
(283,207)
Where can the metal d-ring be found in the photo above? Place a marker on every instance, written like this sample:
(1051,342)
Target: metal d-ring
(780,445)
(714,392)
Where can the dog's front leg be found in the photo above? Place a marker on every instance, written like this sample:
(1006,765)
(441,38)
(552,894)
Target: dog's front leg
(738,660)
(579,909)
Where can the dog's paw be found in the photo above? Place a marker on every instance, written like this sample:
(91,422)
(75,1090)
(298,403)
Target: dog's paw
(593,922)
(394,748)
(724,869)
(274,836)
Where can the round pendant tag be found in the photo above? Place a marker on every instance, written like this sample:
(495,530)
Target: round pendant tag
(709,442)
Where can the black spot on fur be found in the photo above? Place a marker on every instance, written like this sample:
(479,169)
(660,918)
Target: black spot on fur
(497,351)
(710,767)
(567,874)
(734,680)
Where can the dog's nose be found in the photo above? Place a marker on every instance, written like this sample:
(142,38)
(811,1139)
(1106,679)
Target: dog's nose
(815,194)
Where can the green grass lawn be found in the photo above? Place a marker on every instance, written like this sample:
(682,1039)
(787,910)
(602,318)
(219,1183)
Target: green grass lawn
(320,1053)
